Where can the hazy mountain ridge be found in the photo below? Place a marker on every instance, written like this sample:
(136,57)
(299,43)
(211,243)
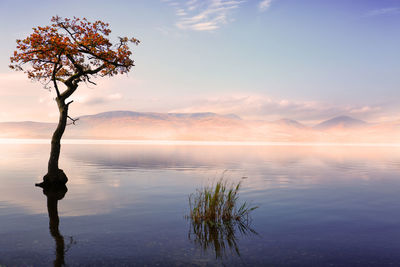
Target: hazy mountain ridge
(156,115)
(290,122)
(340,121)
(207,126)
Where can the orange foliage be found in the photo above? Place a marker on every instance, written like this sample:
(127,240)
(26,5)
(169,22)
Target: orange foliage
(71,51)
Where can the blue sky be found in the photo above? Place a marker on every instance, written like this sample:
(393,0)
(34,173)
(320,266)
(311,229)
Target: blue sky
(306,60)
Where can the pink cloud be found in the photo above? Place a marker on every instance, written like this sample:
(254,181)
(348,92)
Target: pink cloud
(265,107)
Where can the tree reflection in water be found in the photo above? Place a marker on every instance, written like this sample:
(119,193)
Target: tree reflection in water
(219,237)
(54,193)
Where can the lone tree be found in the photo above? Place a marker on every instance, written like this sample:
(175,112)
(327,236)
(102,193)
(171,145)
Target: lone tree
(62,56)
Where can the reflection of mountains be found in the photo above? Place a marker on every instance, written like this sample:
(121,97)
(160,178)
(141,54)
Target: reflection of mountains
(266,165)
(180,157)
(207,127)
(269,159)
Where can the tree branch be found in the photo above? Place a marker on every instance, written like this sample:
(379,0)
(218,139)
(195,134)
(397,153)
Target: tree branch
(73,120)
(114,63)
(73,61)
(53,76)
(89,81)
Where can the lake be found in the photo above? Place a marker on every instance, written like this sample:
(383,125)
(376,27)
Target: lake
(319,205)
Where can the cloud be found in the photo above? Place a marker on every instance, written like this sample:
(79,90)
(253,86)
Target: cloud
(114,96)
(264,5)
(365,109)
(205,15)
(24,100)
(268,108)
(208,15)
(383,11)
(260,107)
(95,100)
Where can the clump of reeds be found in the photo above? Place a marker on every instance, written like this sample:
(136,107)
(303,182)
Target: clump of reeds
(218,204)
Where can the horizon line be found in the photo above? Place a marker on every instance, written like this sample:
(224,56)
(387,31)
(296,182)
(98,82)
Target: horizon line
(185,142)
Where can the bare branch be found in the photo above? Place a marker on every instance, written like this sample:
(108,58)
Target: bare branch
(89,81)
(114,63)
(73,120)
(53,76)
(73,61)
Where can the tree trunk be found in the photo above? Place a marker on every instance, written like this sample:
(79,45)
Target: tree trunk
(54,174)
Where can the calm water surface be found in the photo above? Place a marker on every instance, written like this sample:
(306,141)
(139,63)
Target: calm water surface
(126,205)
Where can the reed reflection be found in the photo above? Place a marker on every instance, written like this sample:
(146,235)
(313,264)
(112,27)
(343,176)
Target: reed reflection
(219,237)
(54,194)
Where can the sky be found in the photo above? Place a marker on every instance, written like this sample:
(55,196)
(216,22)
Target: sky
(307,60)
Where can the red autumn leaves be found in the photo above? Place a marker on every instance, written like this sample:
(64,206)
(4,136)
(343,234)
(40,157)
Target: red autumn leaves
(72,47)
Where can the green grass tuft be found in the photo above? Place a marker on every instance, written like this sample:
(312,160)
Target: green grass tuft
(216,217)
(218,204)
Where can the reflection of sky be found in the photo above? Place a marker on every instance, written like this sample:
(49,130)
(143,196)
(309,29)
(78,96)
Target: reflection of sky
(317,204)
(116,175)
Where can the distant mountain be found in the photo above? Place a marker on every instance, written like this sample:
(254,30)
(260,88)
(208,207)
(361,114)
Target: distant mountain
(344,122)
(155,115)
(158,126)
(206,126)
(290,123)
